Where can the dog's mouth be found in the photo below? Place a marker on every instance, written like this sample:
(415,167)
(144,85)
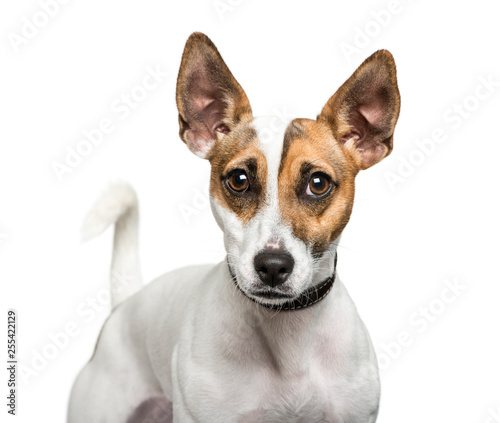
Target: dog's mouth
(268,295)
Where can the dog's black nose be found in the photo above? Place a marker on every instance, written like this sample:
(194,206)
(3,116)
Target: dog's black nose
(273,267)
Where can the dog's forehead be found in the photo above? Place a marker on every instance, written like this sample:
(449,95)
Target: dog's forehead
(271,138)
(298,140)
(274,143)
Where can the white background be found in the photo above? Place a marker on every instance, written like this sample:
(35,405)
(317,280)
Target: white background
(438,223)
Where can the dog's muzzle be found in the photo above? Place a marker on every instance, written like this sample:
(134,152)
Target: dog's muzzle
(308,298)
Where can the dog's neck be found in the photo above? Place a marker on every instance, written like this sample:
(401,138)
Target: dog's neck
(284,340)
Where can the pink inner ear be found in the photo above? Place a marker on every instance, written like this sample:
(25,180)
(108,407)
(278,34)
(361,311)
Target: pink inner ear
(203,108)
(366,150)
(200,103)
(366,120)
(207,117)
(207,113)
(373,113)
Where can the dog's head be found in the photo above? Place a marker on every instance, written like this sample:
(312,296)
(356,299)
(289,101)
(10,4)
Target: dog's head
(283,202)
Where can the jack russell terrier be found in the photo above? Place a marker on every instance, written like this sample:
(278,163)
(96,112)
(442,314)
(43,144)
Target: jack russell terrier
(270,334)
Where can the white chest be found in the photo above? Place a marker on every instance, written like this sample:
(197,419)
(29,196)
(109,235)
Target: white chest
(260,395)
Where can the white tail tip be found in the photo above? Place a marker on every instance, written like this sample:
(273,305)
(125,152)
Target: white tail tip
(113,202)
(118,205)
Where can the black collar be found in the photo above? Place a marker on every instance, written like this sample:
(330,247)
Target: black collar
(308,298)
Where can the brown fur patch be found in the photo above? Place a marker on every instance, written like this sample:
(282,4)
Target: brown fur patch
(239,150)
(317,222)
(293,131)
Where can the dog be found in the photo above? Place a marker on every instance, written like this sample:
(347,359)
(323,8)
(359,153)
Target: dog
(270,334)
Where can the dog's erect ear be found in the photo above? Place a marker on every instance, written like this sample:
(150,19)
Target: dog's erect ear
(365,109)
(209,99)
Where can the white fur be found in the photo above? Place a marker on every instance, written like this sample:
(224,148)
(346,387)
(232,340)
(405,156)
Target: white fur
(118,205)
(193,337)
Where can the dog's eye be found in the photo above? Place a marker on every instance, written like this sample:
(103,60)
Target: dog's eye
(237,181)
(319,185)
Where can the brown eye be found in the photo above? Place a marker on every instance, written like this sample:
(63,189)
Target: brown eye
(237,181)
(319,184)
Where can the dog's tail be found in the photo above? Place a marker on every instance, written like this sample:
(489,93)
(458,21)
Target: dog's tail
(118,205)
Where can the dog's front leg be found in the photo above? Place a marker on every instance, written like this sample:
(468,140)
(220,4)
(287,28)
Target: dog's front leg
(180,408)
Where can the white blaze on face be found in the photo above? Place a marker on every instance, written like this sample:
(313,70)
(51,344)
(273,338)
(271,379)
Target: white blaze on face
(267,230)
